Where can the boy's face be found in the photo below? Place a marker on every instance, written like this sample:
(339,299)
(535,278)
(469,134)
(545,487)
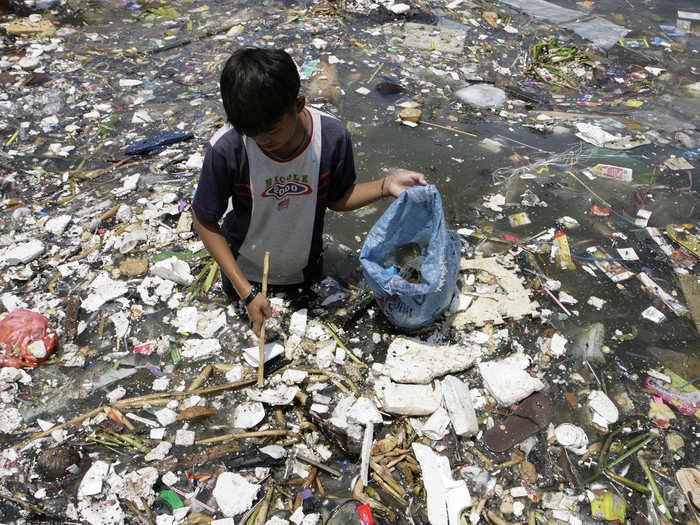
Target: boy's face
(286,135)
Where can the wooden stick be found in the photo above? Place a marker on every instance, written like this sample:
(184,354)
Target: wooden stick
(111,412)
(279,416)
(203,375)
(320,488)
(383,484)
(386,476)
(261,352)
(208,390)
(307,484)
(110,213)
(359,494)
(261,518)
(331,374)
(495,518)
(396,461)
(242,435)
(73,421)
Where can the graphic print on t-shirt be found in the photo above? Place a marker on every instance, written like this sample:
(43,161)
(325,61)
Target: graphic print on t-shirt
(282,188)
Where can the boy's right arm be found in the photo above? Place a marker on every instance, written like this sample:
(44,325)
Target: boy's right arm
(214,241)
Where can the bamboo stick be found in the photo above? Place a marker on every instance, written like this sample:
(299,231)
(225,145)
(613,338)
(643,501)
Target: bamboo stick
(261,518)
(332,374)
(200,379)
(652,483)
(243,435)
(359,494)
(162,395)
(73,421)
(261,350)
(386,476)
(383,484)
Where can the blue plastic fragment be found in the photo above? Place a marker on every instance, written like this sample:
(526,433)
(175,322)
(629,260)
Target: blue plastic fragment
(692,154)
(157,141)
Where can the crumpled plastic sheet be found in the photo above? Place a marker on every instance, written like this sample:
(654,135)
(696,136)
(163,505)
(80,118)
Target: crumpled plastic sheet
(600,31)
(545,10)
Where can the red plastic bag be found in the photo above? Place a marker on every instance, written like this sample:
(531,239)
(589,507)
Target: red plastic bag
(26,339)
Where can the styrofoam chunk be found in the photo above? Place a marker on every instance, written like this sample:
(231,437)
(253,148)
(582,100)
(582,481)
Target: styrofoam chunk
(507,381)
(409,400)
(447,498)
(24,253)
(412,361)
(234,494)
(458,402)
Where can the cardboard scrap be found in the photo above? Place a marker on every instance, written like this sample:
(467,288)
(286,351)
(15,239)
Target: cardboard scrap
(512,303)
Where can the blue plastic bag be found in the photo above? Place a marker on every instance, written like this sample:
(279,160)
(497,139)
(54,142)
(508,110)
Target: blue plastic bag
(415,217)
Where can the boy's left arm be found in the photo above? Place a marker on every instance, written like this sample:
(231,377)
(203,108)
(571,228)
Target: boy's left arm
(364,193)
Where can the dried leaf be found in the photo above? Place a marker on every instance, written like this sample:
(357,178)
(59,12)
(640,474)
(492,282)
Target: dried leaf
(385,445)
(195,412)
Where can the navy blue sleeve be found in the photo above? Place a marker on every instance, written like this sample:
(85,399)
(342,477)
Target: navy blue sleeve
(343,174)
(215,186)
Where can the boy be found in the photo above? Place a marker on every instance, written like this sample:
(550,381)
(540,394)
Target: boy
(281,164)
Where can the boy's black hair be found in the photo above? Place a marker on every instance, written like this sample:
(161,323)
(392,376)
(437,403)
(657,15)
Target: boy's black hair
(258,87)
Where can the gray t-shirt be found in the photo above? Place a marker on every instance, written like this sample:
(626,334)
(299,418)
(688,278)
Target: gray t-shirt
(276,205)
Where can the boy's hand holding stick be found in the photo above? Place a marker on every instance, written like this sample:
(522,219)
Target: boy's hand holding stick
(261,364)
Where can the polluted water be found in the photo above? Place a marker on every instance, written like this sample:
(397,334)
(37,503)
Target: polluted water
(557,384)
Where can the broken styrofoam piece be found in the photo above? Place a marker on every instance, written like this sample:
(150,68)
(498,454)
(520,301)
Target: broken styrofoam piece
(10,420)
(159,452)
(24,253)
(435,427)
(297,322)
(91,484)
(339,418)
(293,377)
(174,270)
(166,416)
(603,410)
(409,400)
(280,395)
(248,414)
(195,349)
(58,224)
(458,402)
(190,320)
(129,184)
(104,289)
(513,303)
(234,494)
(364,412)
(507,381)
(108,512)
(447,498)
(272,350)
(131,240)
(572,438)
(274,520)
(184,437)
(412,361)
(135,485)
(366,453)
(482,95)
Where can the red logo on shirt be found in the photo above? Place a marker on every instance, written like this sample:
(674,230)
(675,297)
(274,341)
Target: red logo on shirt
(292,188)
